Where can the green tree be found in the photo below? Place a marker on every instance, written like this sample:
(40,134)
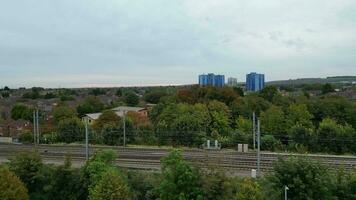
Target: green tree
(144,184)
(154,97)
(70,130)
(187,96)
(244,131)
(108,117)
(333,137)
(337,108)
(21,111)
(11,187)
(269,92)
(66,98)
(273,121)
(239,91)
(49,95)
(131,99)
(65,182)
(32,95)
(298,114)
(180,181)
(352,186)
(27,166)
(283,101)
(220,116)
(244,125)
(247,105)
(96,167)
(300,135)
(351,115)
(248,189)
(114,134)
(5,94)
(90,105)
(217,185)
(225,94)
(305,179)
(270,143)
(327,88)
(110,187)
(343,185)
(119,92)
(26,136)
(183,123)
(63,112)
(97,91)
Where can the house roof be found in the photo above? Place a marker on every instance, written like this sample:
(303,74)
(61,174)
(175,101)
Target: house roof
(93,116)
(128,108)
(118,110)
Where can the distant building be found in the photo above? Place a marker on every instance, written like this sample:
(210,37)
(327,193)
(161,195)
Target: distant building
(120,111)
(232,82)
(212,80)
(255,82)
(12,128)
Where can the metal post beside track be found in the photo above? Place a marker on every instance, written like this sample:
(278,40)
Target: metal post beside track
(258,148)
(86,140)
(254,130)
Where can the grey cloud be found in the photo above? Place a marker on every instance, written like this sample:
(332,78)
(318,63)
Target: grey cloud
(172,40)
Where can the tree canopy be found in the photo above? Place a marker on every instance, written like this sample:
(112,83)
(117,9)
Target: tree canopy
(180,181)
(110,187)
(90,105)
(11,187)
(131,99)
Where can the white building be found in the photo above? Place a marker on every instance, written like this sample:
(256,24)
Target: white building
(120,111)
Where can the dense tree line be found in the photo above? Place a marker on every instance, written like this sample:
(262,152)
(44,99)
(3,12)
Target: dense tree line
(26,177)
(302,123)
(191,115)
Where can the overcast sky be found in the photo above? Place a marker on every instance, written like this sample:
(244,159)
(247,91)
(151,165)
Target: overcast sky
(81,43)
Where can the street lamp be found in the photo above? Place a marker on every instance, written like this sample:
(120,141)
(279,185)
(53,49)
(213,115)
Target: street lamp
(286,188)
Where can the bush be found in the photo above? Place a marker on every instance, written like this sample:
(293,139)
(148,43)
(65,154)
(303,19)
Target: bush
(114,135)
(11,187)
(180,181)
(110,187)
(90,104)
(269,142)
(98,164)
(29,168)
(131,99)
(70,130)
(26,137)
(65,183)
(50,138)
(144,184)
(248,189)
(216,185)
(305,179)
(21,111)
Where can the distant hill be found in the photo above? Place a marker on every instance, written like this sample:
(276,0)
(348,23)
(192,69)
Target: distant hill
(332,79)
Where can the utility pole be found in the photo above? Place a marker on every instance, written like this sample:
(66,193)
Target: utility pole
(258,147)
(34,127)
(86,140)
(286,192)
(254,129)
(124,128)
(37,127)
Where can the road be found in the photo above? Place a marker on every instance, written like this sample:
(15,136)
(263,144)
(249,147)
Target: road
(149,158)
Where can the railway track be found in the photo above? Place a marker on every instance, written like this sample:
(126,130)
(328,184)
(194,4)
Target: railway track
(140,158)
